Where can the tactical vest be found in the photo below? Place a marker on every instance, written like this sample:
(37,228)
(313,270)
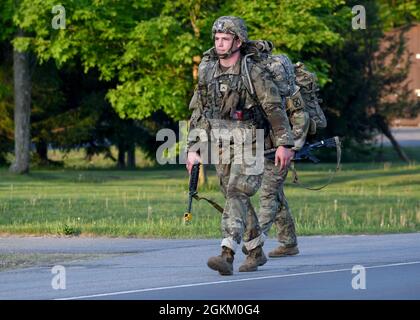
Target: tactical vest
(226,96)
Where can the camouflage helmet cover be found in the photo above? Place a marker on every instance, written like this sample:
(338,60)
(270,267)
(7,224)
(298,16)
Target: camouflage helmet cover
(232,25)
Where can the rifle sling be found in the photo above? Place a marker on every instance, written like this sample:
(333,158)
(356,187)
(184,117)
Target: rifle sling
(295,179)
(295,176)
(213,203)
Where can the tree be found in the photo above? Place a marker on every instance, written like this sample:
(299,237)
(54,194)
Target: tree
(143,50)
(148,50)
(48,109)
(78,115)
(6,102)
(22,97)
(22,89)
(398,13)
(364,74)
(300,28)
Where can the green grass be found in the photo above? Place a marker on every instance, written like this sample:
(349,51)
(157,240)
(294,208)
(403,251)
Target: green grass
(363,198)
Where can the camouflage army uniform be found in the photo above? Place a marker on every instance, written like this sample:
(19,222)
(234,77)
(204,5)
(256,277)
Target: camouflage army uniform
(273,203)
(274,207)
(218,96)
(305,116)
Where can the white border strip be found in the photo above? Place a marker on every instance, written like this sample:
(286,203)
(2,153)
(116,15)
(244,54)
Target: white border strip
(231,281)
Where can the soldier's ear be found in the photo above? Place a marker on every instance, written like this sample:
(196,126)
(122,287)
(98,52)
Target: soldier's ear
(239,42)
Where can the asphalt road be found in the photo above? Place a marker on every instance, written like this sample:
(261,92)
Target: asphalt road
(176,269)
(406,137)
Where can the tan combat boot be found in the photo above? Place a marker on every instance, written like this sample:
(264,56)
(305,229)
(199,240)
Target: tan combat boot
(282,251)
(255,258)
(222,263)
(262,260)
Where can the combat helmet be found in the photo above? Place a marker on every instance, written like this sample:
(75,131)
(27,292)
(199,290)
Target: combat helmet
(232,25)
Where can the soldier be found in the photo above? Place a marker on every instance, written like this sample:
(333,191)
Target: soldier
(305,116)
(300,100)
(224,94)
(273,204)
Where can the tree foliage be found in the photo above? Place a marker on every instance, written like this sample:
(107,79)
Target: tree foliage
(143,53)
(397,13)
(148,46)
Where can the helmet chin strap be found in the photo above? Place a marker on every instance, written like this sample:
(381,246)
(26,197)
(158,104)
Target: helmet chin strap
(229,53)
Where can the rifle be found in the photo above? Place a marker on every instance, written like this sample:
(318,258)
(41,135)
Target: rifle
(305,154)
(193,193)
(302,154)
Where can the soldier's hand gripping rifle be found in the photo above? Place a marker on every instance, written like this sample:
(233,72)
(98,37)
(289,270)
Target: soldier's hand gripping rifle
(305,154)
(193,193)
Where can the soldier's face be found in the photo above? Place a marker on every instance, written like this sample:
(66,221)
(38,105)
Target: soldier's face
(223,42)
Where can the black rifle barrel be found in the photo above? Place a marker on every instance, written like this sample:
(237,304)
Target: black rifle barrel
(305,152)
(195,172)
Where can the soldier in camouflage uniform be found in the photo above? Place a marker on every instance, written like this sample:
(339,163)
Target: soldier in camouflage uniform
(305,116)
(273,204)
(304,113)
(223,94)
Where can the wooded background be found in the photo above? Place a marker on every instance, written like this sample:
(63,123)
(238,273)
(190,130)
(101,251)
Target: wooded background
(122,70)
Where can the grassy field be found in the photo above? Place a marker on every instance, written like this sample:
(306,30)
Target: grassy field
(363,198)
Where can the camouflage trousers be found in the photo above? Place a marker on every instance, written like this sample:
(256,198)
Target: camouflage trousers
(274,207)
(239,219)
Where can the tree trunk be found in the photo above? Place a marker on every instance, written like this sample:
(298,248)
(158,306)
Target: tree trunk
(22,97)
(42,151)
(121,156)
(131,156)
(383,126)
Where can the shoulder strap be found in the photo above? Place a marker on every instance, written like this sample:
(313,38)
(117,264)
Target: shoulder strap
(289,70)
(246,77)
(207,63)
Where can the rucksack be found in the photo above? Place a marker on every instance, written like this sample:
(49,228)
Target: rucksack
(290,80)
(308,84)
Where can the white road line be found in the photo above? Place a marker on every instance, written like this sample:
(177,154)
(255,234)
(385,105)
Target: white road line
(231,281)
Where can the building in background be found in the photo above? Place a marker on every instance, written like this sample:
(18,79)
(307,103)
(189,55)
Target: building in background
(413,48)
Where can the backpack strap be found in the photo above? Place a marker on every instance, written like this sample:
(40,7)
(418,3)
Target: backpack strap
(246,77)
(288,68)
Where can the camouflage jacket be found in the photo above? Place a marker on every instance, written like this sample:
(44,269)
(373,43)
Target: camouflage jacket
(219,95)
(283,72)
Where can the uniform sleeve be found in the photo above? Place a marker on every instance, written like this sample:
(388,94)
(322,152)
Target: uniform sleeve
(196,117)
(299,119)
(300,125)
(271,103)
(198,120)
